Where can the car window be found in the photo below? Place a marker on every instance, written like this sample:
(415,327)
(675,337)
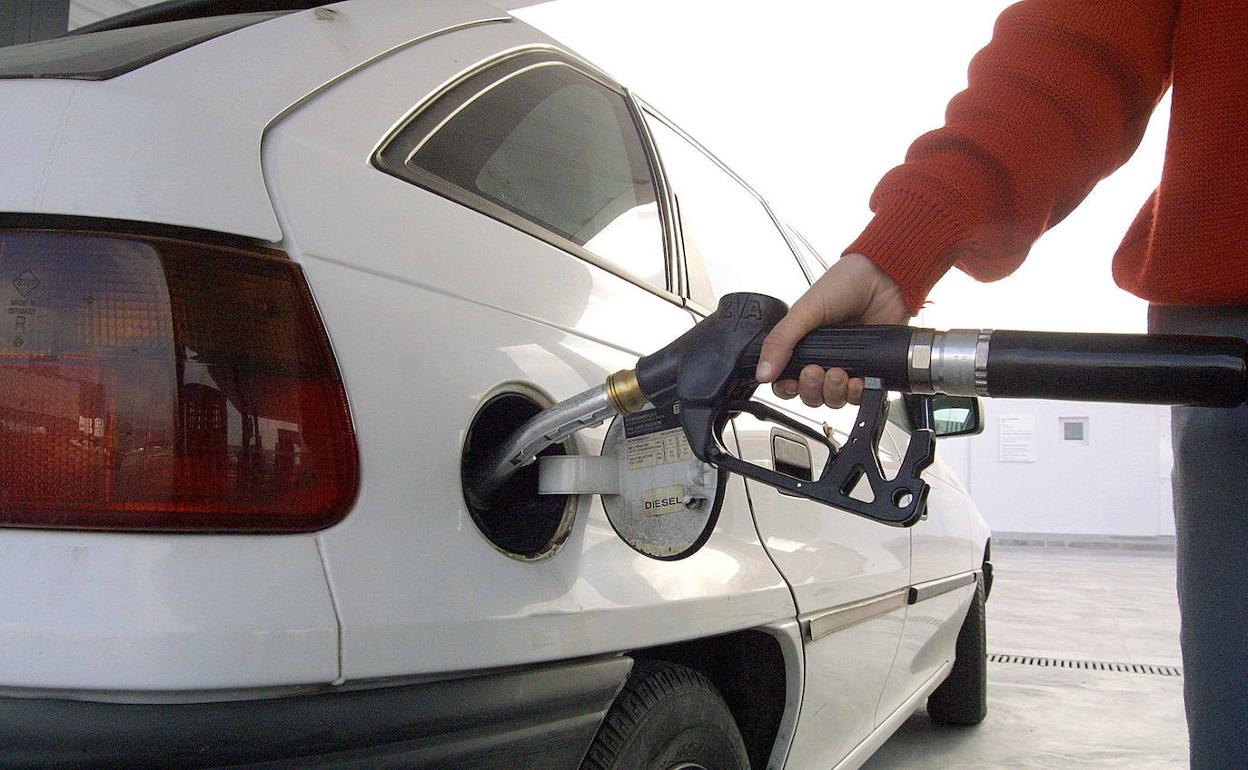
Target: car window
(113,52)
(813,258)
(899,412)
(731,242)
(551,146)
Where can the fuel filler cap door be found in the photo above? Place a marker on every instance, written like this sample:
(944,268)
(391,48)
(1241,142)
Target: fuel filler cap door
(660,498)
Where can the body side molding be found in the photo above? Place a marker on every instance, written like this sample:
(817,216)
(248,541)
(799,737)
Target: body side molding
(816,625)
(923,591)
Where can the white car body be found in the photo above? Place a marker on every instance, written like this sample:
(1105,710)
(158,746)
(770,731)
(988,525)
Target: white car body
(268,133)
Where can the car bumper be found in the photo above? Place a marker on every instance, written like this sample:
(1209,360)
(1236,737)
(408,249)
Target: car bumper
(534,718)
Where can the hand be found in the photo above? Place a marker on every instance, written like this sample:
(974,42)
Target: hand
(852,291)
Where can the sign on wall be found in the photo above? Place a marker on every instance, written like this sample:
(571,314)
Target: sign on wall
(1016,439)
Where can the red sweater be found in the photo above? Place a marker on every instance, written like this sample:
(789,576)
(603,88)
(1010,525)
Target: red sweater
(1057,101)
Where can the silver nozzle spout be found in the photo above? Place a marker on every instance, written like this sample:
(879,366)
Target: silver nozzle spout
(550,426)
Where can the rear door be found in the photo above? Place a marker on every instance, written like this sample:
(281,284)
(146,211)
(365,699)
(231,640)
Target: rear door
(848,575)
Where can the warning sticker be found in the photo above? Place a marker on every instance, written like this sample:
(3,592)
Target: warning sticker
(657,502)
(654,437)
(669,446)
(651,421)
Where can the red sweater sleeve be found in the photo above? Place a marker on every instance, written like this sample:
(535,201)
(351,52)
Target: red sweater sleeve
(1057,101)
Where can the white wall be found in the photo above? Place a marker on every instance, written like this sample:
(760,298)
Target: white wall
(1116,484)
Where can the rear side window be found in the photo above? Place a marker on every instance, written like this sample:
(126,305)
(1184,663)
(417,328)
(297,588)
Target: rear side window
(731,242)
(547,148)
(814,260)
(108,53)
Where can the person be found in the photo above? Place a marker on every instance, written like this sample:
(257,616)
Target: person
(1057,101)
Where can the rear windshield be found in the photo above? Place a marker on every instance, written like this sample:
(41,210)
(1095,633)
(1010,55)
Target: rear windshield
(112,52)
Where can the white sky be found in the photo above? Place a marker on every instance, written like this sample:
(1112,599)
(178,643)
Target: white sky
(813,101)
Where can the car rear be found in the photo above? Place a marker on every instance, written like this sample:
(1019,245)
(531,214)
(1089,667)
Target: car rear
(174,428)
(172,420)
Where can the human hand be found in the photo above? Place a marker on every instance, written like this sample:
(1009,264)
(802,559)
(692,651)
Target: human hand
(852,291)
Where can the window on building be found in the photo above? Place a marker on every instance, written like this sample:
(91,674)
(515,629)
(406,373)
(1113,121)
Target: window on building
(1074,429)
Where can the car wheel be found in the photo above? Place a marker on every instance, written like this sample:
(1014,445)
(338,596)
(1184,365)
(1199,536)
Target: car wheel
(963,698)
(667,717)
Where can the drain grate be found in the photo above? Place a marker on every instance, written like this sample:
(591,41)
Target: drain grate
(1087,665)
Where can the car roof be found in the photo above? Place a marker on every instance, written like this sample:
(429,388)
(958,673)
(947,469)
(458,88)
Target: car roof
(181,138)
(181,10)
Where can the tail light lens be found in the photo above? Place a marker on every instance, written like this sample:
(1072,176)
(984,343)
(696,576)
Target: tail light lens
(155,384)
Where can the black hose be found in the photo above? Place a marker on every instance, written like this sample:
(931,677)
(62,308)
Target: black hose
(1125,368)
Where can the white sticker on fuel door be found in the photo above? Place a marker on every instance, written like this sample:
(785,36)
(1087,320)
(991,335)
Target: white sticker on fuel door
(654,437)
(657,502)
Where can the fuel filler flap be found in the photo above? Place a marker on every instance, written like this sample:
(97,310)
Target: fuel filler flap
(659,497)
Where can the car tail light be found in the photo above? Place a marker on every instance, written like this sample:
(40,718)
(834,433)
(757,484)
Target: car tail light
(156,384)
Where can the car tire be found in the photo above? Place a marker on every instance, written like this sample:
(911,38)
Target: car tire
(666,717)
(962,699)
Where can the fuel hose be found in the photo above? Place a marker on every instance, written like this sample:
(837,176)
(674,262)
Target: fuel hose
(1123,368)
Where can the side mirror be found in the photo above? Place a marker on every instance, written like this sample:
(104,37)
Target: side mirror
(946,415)
(955,416)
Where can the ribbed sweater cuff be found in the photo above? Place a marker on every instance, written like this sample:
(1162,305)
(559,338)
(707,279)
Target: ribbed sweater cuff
(912,241)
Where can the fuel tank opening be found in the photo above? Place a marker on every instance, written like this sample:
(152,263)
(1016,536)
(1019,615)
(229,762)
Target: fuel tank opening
(516,519)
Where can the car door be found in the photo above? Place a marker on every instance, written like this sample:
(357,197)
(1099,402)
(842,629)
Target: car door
(848,575)
(476,215)
(942,551)
(941,571)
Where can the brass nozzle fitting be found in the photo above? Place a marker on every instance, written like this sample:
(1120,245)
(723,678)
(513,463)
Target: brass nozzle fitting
(624,392)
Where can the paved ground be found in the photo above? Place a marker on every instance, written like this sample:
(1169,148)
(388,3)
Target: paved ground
(1109,605)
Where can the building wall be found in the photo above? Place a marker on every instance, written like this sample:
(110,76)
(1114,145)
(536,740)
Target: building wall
(1118,483)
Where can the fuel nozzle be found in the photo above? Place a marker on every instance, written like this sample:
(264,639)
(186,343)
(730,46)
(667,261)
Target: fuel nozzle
(707,375)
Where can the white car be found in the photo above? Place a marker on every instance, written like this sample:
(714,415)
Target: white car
(268,279)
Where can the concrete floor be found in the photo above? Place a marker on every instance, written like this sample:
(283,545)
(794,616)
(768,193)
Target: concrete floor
(1109,605)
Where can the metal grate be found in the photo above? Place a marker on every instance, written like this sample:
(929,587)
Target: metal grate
(1087,665)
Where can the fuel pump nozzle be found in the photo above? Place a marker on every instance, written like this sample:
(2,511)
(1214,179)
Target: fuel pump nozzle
(709,373)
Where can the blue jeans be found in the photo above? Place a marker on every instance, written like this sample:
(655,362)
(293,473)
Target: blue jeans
(1211,524)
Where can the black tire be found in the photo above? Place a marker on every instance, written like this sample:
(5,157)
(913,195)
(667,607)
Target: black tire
(962,699)
(667,716)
